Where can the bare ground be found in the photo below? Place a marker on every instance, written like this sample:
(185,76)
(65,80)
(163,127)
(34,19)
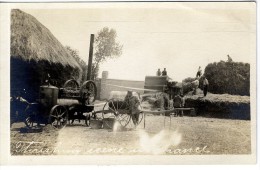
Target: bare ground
(199,136)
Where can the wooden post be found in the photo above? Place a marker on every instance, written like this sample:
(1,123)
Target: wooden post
(90,57)
(170,121)
(164,120)
(144,120)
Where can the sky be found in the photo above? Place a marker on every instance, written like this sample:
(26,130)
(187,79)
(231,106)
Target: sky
(178,37)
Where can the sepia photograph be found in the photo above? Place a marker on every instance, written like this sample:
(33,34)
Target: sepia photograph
(165,79)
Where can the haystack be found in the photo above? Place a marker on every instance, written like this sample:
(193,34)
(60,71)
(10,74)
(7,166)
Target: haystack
(30,40)
(220,105)
(35,53)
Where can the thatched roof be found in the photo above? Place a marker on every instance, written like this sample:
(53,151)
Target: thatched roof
(30,40)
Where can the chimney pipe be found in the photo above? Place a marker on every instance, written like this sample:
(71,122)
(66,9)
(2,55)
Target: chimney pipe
(90,57)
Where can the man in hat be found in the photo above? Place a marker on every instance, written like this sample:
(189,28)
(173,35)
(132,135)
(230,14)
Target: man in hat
(134,106)
(178,102)
(164,72)
(158,73)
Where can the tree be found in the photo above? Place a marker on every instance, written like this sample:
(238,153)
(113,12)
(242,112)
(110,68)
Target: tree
(106,47)
(75,54)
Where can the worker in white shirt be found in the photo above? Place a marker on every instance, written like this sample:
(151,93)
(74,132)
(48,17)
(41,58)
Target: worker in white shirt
(195,85)
(198,72)
(205,86)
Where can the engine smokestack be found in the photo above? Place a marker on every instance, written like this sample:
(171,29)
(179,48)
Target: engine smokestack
(90,58)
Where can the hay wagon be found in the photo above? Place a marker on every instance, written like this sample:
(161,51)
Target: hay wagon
(47,110)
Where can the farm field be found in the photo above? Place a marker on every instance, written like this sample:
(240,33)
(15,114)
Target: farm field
(187,135)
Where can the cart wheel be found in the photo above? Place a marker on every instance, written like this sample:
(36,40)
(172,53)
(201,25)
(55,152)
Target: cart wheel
(118,110)
(88,92)
(58,116)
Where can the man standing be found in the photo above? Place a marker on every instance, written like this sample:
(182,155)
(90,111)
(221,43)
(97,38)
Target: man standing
(164,72)
(198,72)
(158,73)
(163,101)
(205,86)
(178,102)
(134,106)
(169,89)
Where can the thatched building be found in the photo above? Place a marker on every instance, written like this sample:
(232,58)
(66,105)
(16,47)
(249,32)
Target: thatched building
(35,53)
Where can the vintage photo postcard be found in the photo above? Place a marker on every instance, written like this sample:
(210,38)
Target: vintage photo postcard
(128,83)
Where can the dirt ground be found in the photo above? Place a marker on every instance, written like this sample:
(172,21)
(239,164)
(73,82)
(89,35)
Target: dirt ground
(186,135)
(41,143)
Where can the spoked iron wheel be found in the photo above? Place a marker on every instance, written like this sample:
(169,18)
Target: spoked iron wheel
(58,116)
(71,85)
(88,92)
(117,110)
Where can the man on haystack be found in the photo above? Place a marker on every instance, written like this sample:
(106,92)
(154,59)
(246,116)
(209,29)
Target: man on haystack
(134,106)
(205,86)
(199,72)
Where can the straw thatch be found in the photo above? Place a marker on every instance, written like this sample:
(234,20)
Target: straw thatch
(35,54)
(30,40)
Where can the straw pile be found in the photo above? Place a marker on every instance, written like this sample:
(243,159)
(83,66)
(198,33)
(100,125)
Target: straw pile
(30,40)
(220,105)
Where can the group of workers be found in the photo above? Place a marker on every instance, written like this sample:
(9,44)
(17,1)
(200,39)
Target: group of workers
(163,73)
(178,100)
(196,81)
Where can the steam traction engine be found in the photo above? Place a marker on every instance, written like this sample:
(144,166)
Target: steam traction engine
(50,110)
